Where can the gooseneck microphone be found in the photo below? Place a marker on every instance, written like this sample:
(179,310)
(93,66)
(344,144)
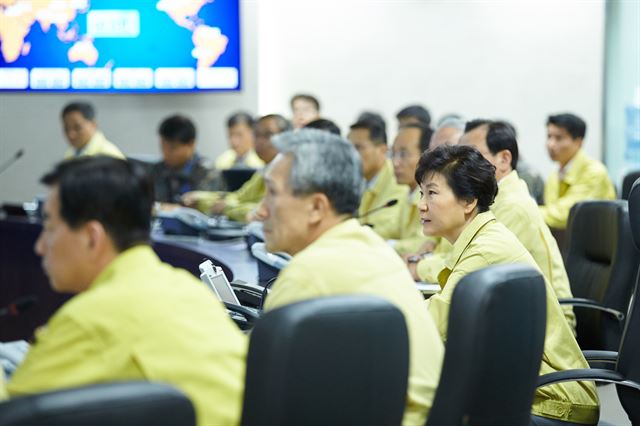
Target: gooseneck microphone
(18,306)
(389,203)
(11,160)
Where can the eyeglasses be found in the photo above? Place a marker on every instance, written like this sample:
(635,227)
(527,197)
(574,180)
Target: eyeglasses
(401,155)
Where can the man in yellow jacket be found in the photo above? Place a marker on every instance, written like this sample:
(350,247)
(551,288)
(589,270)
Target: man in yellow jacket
(81,130)
(313,188)
(515,208)
(579,177)
(382,200)
(240,205)
(134,317)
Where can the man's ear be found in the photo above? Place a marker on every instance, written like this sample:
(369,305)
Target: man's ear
(96,236)
(505,159)
(319,207)
(579,141)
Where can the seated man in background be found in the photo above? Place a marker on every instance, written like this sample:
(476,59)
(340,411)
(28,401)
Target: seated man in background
(381,188)
(515,208)
(579,177)
(134,317)
(323,124)
(241,139)
(412,140)
(81,130)
(313,188)
(181,169)
(458,185)
(241,204)
(305,109)
(447,133)
(414,114)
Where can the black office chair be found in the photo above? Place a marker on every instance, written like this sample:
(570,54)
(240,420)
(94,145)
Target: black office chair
(626,362)
(494,349)
(122,404)
(627,183)
(340,360)
(601,263)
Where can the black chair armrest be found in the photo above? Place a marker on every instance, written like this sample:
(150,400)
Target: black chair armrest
(587,374)
(247,319)
(601,356)
(592,304)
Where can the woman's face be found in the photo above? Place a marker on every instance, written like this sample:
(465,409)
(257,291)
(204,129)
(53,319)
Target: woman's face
(441,213)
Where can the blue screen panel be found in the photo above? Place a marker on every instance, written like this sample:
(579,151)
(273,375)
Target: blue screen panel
(119,45)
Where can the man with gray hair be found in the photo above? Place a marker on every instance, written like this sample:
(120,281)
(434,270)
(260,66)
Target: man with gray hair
(449,132)
(313,189)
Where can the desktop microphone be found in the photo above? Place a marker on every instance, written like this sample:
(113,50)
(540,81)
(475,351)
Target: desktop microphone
(11,160)
(389,203)
(18,306)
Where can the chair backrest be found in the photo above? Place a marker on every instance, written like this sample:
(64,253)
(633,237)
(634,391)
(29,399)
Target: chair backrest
(629,353)
(601,262)
(122,404)
(493,350)
(627,183)
(340,360)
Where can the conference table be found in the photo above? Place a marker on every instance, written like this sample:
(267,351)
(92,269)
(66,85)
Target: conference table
(21,272)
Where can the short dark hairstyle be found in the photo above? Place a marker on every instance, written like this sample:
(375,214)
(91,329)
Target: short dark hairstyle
(468,173)
(324,124)
(415,111)
(84,108)
(573,124)
(306,97)
(377,133)
(501,135)
(115,192)
(373,116)
(282,123)
(240,117)
(178,128)
(425,134)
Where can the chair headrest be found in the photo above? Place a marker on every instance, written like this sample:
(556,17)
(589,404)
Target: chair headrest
(634,212)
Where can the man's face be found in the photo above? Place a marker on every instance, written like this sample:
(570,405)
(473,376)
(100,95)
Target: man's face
(441,213)
(560,145)
(176,154)
(284,216)
(64,258)
(265,129)
(303,112)
(408,120)
(373,156)
(78,129)
(406,154)
(477,138)
(445,136)
(241,138)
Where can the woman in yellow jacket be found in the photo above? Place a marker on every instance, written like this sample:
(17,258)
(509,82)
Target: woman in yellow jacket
(458,185)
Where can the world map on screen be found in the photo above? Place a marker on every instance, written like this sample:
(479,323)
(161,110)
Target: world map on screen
(146,45)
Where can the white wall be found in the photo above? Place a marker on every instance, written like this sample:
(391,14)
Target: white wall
(32,120)
(518,60)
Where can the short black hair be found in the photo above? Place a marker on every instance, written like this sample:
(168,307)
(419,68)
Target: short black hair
(468,173)
(115,192)
(282,123)
(500,136)
(84,108)
(324,124)
(377,133)
(415,111)
(573,124)
(178,128)
(240,117)
(373,116)
(425,134)
(306,97)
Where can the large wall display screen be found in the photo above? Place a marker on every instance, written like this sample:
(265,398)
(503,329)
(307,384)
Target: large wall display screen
(119,45)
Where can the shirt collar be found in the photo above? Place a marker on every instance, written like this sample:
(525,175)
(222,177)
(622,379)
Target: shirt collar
(128,260)
(467,235)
